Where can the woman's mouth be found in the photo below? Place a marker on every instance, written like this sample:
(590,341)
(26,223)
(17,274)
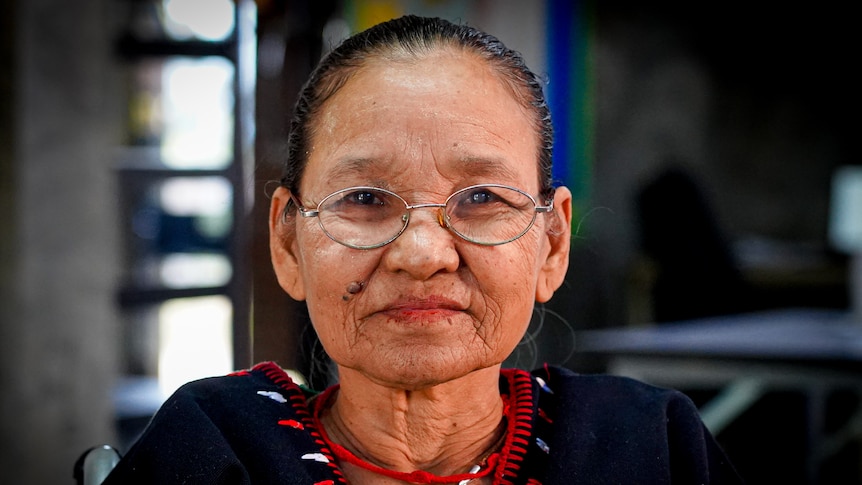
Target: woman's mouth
(422,309)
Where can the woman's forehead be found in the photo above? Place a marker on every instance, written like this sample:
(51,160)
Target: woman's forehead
(451,83)
(448,114)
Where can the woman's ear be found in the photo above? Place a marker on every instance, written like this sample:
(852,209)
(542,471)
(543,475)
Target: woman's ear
(559,235)
(283,246)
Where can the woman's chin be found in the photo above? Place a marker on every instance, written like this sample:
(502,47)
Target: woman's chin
(419,369)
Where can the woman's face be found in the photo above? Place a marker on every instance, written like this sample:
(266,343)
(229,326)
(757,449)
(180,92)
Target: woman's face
(430,307)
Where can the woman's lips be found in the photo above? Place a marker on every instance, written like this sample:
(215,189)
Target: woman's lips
(422,308)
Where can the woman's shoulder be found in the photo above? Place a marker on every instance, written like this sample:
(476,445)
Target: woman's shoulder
(265,374)
(606,389)
(244,396)
(264,380)
(613,426)
(614,411)
(226,429)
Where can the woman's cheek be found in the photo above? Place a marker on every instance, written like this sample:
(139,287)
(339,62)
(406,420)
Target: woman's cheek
(330,271)
(506,295)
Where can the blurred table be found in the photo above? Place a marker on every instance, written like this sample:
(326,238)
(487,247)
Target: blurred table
(810,350)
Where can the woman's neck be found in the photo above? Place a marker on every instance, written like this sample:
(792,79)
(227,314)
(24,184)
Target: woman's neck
(443,430)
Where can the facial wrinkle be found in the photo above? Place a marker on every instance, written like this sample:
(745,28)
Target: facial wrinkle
(360,168)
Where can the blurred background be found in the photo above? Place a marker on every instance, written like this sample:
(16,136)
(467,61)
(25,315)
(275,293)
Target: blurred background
(708,147)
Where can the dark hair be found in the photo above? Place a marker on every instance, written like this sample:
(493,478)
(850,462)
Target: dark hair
(412,36)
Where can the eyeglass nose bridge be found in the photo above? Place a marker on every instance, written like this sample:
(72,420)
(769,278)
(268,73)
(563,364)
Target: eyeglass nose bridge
(441,213)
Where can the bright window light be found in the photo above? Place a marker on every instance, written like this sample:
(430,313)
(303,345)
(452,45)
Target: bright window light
(845,218)
(205,19)
(181,270)
(194,340)
(196,196)
(197,107)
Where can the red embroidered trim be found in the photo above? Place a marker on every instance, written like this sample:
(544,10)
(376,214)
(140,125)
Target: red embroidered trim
(520,424)
(300,406)
(292,423)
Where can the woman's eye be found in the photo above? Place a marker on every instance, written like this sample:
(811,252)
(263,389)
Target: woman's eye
(480,197)
(364,198)
(356,200)
(481,202)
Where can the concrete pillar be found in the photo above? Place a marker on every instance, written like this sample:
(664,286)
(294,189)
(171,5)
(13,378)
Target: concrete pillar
(58,236)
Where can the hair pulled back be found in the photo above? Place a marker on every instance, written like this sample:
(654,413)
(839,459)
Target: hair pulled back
(413,37)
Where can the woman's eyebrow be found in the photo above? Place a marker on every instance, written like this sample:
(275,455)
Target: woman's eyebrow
(471,167)
(350,168)
(477,167)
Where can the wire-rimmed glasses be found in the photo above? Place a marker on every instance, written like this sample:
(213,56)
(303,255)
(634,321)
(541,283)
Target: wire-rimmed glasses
(371,217)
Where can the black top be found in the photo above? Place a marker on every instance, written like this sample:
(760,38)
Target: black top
(255,426)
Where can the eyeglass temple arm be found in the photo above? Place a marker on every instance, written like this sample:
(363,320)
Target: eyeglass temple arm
(302,210)
(550,201)
(545,208)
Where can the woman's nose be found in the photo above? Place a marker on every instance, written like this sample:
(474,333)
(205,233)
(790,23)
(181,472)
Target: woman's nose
(425,247)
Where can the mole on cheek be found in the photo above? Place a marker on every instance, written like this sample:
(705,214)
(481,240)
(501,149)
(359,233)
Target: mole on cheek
(353,288)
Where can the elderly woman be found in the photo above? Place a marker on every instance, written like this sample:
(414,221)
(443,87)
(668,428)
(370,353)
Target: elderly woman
(418,220)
